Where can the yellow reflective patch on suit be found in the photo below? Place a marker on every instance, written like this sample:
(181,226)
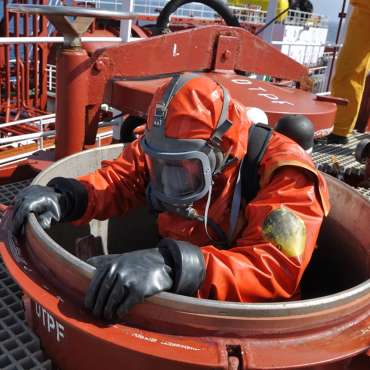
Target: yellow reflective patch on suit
(286,231)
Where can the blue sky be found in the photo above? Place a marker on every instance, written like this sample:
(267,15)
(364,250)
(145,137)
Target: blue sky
(330,8)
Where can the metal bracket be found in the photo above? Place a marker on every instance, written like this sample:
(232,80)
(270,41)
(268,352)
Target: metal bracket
(226,52)
(71,30)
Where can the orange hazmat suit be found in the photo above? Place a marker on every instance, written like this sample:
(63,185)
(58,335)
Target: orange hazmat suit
(266,259)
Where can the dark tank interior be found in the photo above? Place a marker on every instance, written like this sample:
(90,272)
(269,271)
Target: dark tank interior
(338,262)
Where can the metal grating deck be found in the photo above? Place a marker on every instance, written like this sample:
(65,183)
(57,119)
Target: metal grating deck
(9,191)
(343,155)
(19,346)
(364,192)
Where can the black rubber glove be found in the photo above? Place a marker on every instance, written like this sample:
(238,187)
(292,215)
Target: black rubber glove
(122,281)
(62,200)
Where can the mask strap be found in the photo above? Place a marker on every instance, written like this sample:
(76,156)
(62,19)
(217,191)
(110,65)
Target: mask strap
(223,123)
(177,82)
(217,229)
(206,212)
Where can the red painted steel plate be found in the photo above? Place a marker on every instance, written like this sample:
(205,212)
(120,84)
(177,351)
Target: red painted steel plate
(135,96)
(75,340)
(61,325)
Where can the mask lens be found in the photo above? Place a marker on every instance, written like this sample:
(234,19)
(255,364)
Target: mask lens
(176,178)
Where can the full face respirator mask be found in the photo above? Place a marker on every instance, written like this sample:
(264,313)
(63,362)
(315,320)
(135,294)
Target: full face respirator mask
(181,170)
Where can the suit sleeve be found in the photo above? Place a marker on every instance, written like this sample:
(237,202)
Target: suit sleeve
(262,266)
(117,186)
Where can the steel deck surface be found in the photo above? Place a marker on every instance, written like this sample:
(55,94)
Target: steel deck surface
(342,155)
(20,348)
(9,191)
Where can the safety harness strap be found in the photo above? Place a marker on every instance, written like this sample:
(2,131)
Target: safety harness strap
(259,137)
(247,183)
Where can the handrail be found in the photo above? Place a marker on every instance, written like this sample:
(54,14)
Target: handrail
(296,43)
(244,14)
(17,138)
(15,158)
(51,71)
(49,117)
(71,11)
(53,39)
(42,121)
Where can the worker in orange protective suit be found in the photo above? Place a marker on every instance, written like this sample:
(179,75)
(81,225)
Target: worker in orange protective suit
(187,166)
(352,68)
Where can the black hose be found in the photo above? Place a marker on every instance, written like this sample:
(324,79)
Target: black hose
(217,5)
(191,214)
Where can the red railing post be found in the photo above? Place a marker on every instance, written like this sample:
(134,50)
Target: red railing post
(7,64)
(16,18)
(26,52)
(44,49)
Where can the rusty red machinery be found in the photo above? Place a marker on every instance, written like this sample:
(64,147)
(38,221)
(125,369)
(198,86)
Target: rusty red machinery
(219,51)
(327,329)
(24,88)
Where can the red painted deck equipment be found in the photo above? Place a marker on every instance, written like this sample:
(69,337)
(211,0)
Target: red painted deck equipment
(327,329)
